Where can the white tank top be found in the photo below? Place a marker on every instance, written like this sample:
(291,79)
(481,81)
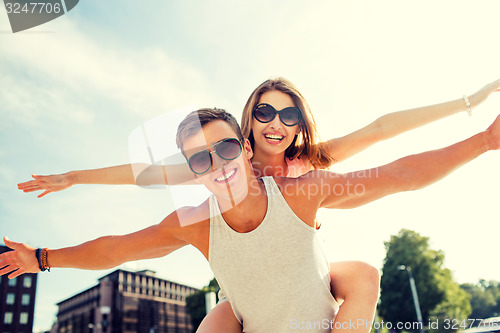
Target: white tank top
(276,277)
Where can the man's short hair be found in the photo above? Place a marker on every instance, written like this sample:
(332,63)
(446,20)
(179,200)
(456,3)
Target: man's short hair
(195,121)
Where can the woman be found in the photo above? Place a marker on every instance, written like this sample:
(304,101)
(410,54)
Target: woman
(278,122)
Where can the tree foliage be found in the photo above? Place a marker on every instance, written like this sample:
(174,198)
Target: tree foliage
(484,298)
(195,304)
(454,308)
(440,297)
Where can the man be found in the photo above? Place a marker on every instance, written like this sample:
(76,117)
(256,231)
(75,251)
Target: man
(262,247)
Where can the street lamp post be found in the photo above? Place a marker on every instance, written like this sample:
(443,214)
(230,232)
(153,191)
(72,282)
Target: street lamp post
(209,300)
(413,288)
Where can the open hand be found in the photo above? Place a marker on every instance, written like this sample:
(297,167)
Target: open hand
(493,134)
(21,260)
(48,184)
(483,93)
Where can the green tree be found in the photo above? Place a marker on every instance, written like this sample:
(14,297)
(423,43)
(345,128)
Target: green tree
(195,306)
(439,296)
(454,308)
(195,303)
(485,298)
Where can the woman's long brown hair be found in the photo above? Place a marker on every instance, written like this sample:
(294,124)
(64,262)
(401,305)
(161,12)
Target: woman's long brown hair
(306,144)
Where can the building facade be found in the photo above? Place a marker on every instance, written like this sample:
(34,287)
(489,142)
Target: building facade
(17,302)
(126,301)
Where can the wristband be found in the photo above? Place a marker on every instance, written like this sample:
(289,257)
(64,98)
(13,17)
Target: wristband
(41,257)
(467,105)
(37,253)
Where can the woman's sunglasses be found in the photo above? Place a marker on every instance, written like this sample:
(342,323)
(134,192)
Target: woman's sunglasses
(265,113)
(227,149)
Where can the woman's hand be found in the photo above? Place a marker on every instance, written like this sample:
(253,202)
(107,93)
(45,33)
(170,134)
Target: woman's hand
(21,260)
(48,184)
(482,94)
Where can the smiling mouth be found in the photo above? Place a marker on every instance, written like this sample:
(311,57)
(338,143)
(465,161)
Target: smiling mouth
(227,176)
(274,137)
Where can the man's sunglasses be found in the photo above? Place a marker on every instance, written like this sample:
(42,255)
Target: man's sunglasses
(265,113)
(227,149)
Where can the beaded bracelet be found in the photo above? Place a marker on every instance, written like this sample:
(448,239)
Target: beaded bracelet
(41,256)
(467,105)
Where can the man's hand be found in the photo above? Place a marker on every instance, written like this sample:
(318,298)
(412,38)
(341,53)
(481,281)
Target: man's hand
(21,260)
(493,134)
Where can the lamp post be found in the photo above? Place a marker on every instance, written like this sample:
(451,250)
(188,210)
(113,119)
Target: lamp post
(209,300)
(413,288)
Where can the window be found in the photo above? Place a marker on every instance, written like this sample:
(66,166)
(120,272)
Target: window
(7,318)
(23,318)
(13,282)
(25,300)
(27,281)
(11,298)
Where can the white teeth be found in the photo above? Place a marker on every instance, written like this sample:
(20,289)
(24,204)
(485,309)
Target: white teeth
(273,137)
(226,176)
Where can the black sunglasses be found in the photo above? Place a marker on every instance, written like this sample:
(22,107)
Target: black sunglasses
(265,113)
(227,149)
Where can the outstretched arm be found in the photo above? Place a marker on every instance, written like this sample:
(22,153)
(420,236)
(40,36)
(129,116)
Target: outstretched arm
(395,123)
(121,174)
(136,174)
(101,253)
(406,174)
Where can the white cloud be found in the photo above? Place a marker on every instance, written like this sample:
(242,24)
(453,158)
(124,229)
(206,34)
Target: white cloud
(70,71)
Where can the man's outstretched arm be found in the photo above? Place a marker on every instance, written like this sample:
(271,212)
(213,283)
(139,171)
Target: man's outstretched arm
(406,174)
(101,253)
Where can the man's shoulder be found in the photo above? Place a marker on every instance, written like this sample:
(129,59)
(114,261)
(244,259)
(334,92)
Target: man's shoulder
(310,177)
(312,186)
(194,215)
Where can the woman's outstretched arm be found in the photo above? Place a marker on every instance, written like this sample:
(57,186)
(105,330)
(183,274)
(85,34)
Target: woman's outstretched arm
(135,174)
(395,123)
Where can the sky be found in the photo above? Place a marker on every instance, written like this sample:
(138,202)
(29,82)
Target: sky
(74,89)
